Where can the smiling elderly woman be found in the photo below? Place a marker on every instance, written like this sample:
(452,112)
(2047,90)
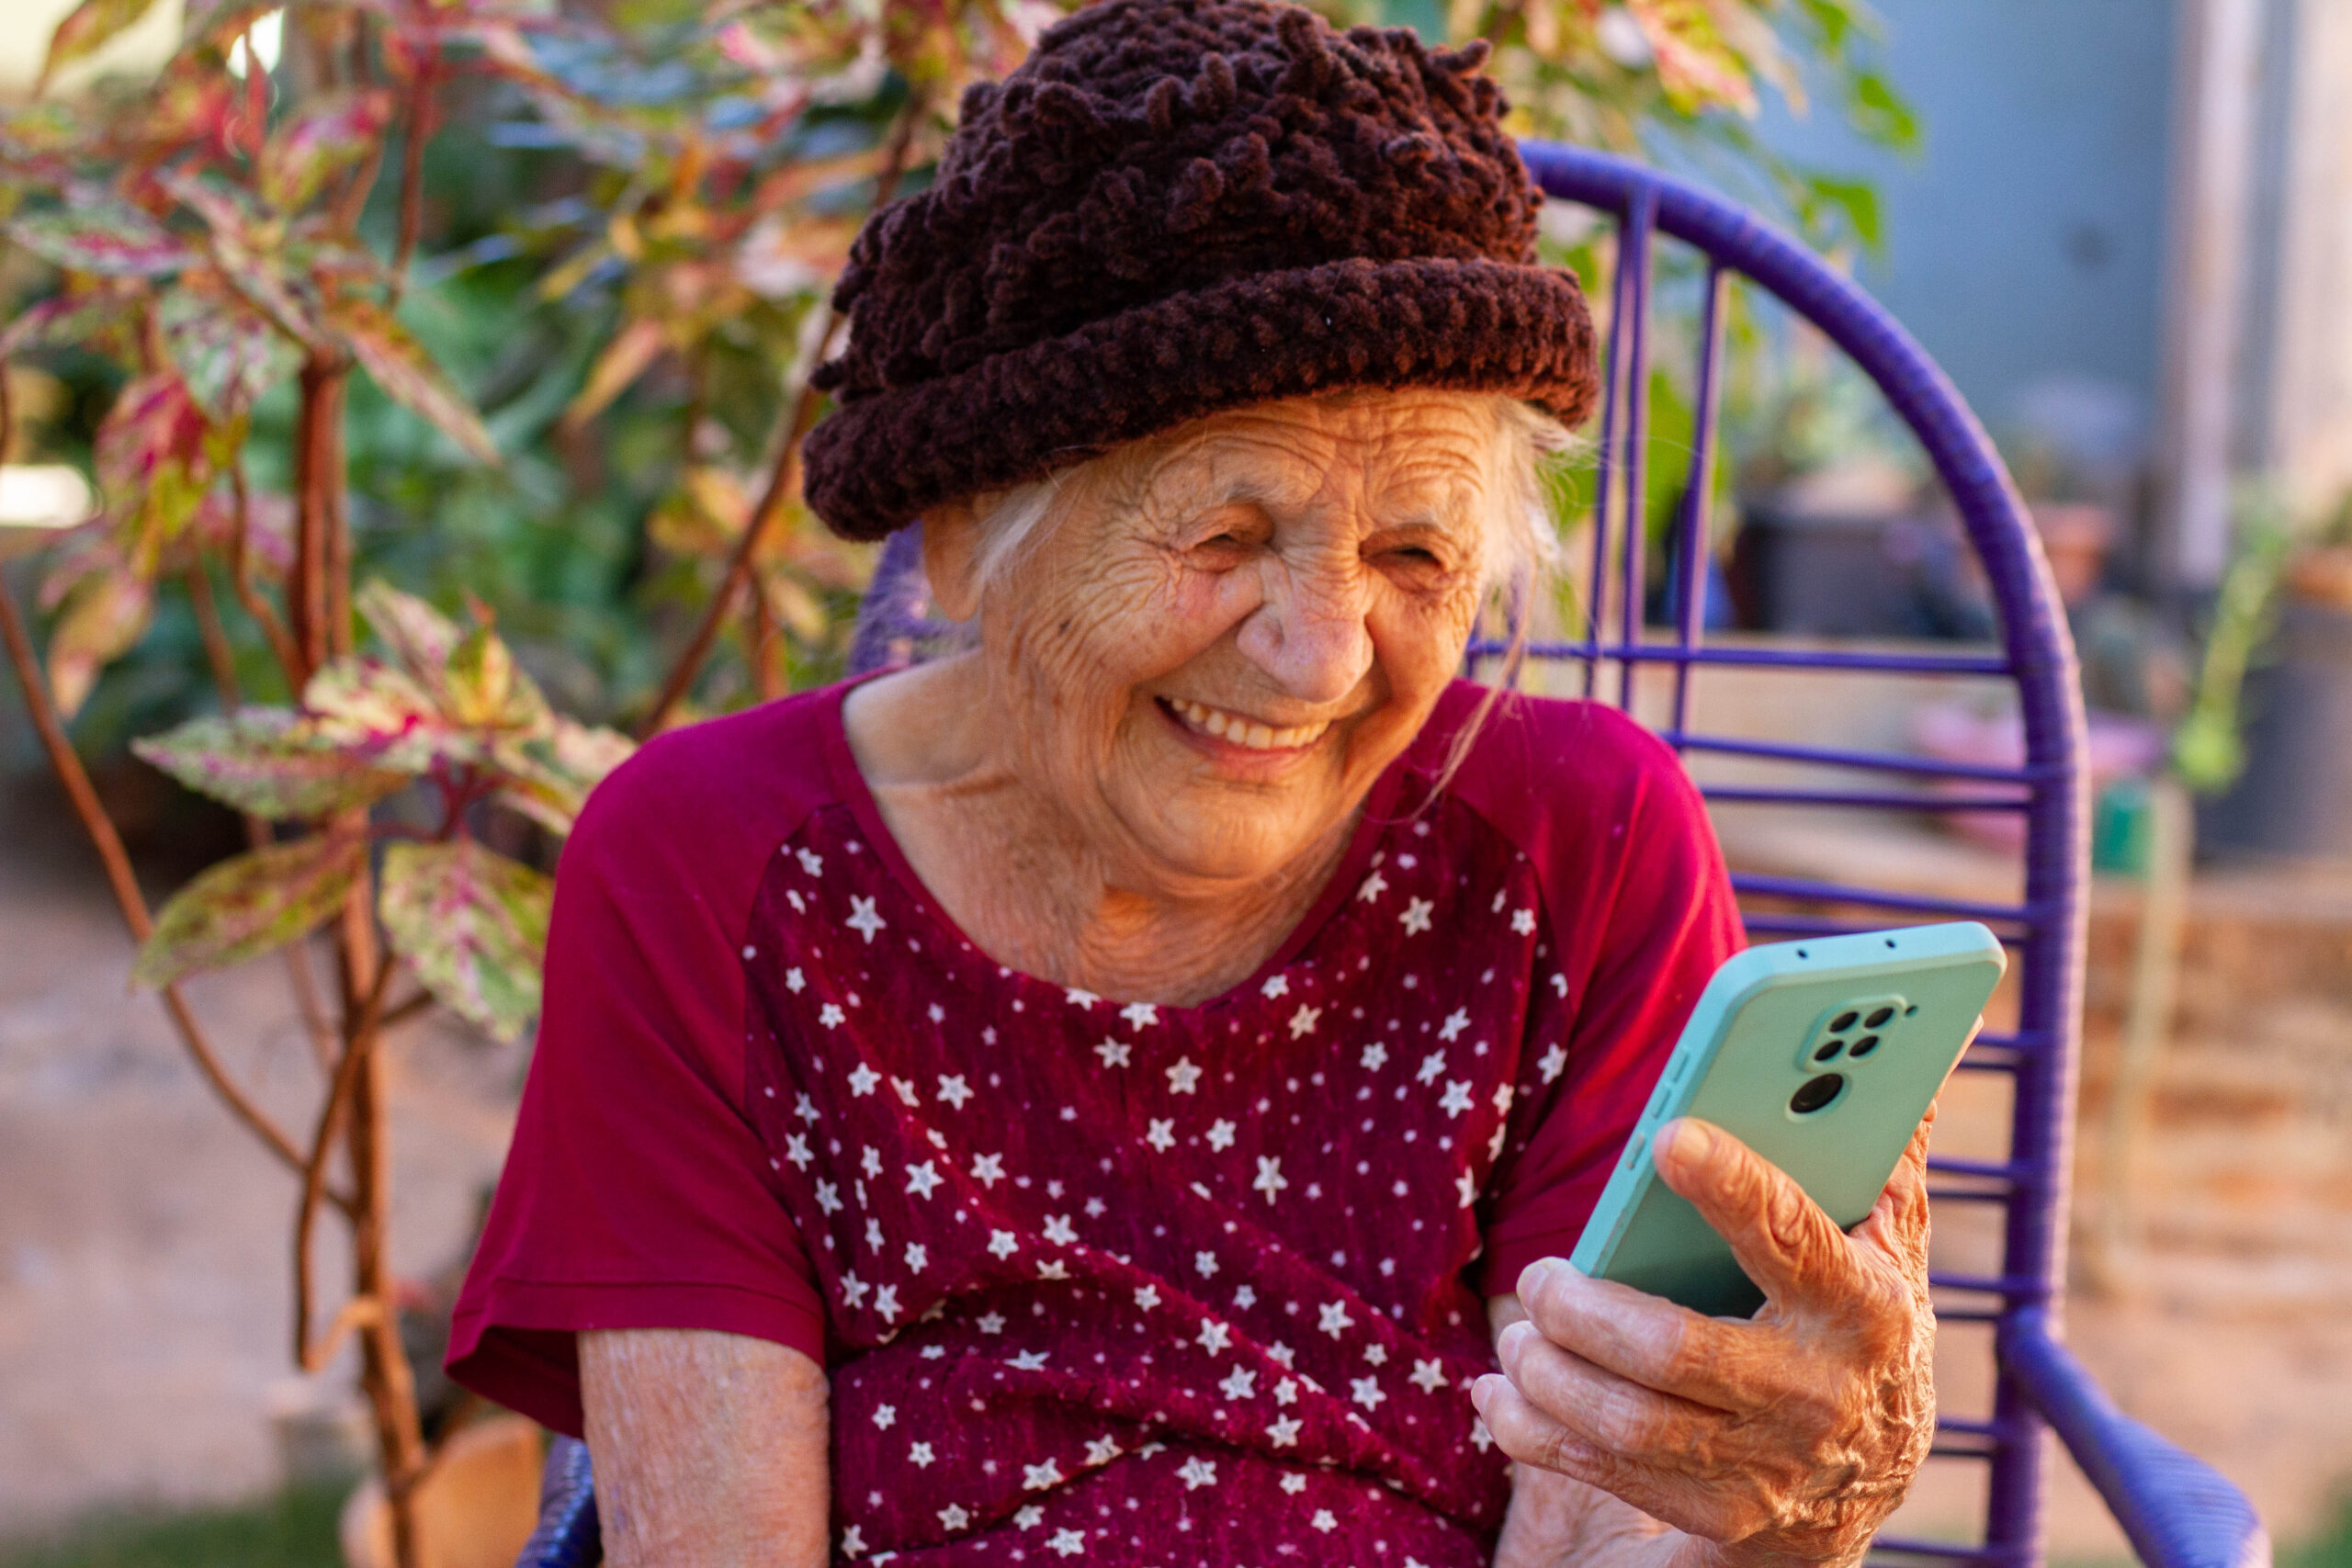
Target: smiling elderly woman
(1110,1093)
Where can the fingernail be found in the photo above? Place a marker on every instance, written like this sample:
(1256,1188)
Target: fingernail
(1693,1140)
(1531,1277)
(1483,1390)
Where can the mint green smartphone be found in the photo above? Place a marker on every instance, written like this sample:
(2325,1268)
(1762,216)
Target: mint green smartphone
(1821,1055)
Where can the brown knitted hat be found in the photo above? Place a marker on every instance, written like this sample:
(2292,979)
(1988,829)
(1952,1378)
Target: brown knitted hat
(1175,206)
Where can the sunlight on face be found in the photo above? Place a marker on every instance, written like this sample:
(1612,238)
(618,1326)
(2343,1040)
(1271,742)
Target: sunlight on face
(1223,635)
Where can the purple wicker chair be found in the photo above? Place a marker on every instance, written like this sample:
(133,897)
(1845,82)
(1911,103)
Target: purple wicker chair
(2177,1511)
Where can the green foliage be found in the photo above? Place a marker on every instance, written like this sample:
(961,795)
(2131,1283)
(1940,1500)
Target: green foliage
(2208,748)
(251,904)
(474,926)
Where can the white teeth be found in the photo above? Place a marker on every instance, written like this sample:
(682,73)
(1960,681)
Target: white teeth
(1243,731)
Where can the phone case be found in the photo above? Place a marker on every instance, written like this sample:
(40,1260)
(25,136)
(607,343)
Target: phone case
(1884,1014)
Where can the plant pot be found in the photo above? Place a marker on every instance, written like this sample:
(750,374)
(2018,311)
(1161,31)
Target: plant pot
(475,1510)
(2294,800)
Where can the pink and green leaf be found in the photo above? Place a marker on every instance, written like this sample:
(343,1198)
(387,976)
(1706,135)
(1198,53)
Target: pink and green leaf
(269,763)
(548,777)
(64,321)
(251,905)
(103,236)
(227,355)
(420,636)
(87,28)
(105,614)
(398,364)
(381,717)
(473,925)
(485,690)
(327,135)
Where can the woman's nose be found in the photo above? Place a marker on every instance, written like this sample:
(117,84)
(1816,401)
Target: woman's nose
(1309,634)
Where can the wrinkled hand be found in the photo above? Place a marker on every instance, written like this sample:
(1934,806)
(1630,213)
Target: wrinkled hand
(1787,1438)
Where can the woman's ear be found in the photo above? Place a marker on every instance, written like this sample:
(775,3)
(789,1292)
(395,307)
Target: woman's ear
(951,559)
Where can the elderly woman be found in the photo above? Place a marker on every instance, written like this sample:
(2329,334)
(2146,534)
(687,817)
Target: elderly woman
(1119,1092)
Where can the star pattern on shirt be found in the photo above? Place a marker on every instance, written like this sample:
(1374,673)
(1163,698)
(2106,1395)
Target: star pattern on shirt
(1457,1098)
(1037,1477)
(1429,1376)
(987,1169)
(862,919)
(1551,1062)
(864,1080)
(920,1456)
(1275,986)
(1334,1320)
(1455,1022)
(952,1090)
(953,1518)
(1416,918)
(1139,1014)
(1068,1542)
(1220,1135)
(1240,1383)
(1283,1431)
(1271,1180)
(1302,1022)
(1161,1135)
(1115,1053)
(1197,1472)
(1373,886)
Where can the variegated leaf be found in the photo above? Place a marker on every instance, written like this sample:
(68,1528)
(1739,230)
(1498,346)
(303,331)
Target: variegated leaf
(486,691)
(420,636)
(381,717)
(104,616)
(326,136)
(227,355)
(251,905)
(89,28)
(63,321)
(269,763)
(474,927)
(548,776)
(103,236)
(152,464)
(398,364)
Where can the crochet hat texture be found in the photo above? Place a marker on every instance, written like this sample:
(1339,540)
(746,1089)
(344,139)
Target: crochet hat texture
(1176,207)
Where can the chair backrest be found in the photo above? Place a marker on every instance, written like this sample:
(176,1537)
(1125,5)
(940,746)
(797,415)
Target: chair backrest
(1620,657)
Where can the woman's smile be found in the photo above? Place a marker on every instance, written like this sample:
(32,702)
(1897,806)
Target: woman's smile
(1226,731)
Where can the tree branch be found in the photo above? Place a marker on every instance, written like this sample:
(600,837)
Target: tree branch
(784,479)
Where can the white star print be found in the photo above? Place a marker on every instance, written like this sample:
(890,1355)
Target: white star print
(854,1289)
(1278,1351)
(1029,1360)
(1376,1056)
(811,862)
(1479,1437)
(1457,1098)
(1002,1243)
(1271,1180)
(796,1149)
(1096,1208)
(794,981)
(1455,1022)
(1052,1269)
(954,1089)
(1147,1296)
(1220,1135)
(990,1322)
(1240,1383)
(1037,1477)
(1057,1230)
(1286,1392)
(918,1257)
(1560,985)
(1432,1065)
(852,1542)
(874,1233)
(1245,1298)
(1428,1376)
(987,1169)
(1275,986)
(1324,1521)
(1204,1264)
(1083,998)
(1102,1450)
(1138,1014)
(1294,1482)
(1030,1517)
(1504,1095)
(1376,1354)
(830,1015)
(829,1198)
(952,1517)
(1070,1543)
(1197,1472)
(1335,1319)
(863,1079)
(886,1302)
(804,1107)
(885,1413)
(1214,1336)
(936,1013)
(1416,918)
(1302,1022)
(1367,1392)
(1465,1188)
(1162,1135)
(1115,1053)
(1373,886)
(1522,921)
(1283,1432)
(921,1179)
(1551,1062)
(920,1456)
(905,1088)
(871,1165)
(862,918)
(1183,1076)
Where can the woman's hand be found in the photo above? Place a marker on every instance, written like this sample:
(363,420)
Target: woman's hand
(1786,1439)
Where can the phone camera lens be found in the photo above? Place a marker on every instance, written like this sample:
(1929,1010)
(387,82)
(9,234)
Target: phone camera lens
(1842,1022)
(1816,1092)
(1878,1020)
(1828,1051)
(1865,1045)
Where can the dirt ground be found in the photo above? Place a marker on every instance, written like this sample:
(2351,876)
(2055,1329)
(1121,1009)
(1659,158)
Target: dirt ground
(144,1239)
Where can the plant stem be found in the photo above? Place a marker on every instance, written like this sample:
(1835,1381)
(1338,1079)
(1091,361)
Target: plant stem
(420,130)
(240,581)
(306,592)
(76,780)
(218,655)
(783,479)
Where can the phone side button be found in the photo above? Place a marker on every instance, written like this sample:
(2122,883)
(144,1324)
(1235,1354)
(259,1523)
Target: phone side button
(1633,1149)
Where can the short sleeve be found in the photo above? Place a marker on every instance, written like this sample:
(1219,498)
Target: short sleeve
(1641,915)
(636,1192)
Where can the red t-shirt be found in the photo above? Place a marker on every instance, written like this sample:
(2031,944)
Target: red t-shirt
(1090,1276)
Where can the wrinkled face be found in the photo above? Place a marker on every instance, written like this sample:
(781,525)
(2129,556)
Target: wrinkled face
(1220,637)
